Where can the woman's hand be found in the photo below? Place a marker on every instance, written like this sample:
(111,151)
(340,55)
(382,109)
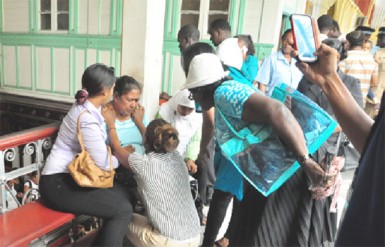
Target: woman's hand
(191,166)
(109,115)
(129,148)
(138,115)
(325,67)
(314,172)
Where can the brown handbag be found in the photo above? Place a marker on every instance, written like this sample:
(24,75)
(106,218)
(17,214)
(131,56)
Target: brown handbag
(84,170)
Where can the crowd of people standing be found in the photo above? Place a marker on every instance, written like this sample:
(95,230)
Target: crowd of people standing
(164,154)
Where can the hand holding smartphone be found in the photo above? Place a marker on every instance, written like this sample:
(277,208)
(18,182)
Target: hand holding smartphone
(304,34)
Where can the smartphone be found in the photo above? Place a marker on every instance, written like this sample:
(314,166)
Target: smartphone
(304,37)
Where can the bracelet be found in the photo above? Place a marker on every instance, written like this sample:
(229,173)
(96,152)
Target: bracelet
(112,128)
(302,159)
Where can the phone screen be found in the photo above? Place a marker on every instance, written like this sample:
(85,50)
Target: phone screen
(304,40)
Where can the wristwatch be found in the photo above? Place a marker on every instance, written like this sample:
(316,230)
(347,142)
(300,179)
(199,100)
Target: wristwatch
(302,158)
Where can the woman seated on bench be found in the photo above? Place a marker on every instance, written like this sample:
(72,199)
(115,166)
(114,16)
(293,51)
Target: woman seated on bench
(58,189)
(163,183)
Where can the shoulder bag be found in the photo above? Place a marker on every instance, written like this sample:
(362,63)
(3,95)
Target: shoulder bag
(84,170)
(261,156)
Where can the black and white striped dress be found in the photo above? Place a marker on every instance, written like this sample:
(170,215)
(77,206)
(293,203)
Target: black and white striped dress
(163,183)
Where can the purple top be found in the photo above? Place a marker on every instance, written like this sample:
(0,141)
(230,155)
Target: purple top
(67,145)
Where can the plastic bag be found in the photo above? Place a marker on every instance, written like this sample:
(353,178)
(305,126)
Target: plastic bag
(258,153)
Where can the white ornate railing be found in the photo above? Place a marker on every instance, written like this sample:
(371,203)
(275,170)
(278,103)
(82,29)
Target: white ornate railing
(25,150)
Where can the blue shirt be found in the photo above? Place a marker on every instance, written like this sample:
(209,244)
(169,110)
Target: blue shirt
(230,98)
(129,134)
(250,67)
(276,70)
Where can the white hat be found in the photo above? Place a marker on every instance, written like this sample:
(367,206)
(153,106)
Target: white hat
(230,53)
(204,69)
(182,98)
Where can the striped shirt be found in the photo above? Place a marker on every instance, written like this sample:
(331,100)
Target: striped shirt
(361,65)
(163,184)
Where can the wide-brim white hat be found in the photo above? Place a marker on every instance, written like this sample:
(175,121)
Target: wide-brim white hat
(204,69)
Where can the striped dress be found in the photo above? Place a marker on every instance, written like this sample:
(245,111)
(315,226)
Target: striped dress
(288,217)
(360,64)
(164,186)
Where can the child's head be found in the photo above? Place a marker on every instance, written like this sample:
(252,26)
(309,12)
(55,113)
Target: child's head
(160,137)
(367,45)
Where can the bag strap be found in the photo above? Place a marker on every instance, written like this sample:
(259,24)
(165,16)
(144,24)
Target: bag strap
(82,144)
(229,125)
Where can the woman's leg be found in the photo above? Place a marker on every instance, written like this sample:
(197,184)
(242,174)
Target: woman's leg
(216,215)
(60,192)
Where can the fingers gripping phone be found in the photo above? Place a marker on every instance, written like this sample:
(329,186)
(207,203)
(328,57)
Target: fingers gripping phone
(304,37)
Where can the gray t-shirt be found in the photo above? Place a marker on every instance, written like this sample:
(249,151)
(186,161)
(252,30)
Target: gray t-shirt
(163,183)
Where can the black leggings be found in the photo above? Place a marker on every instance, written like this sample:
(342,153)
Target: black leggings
(216,215)
(60,192)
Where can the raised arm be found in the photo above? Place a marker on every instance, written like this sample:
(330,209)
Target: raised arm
(138,117)
(353,120)
(120,153)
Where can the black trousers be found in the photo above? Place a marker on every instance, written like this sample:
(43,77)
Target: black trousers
(60,192)
(215,216)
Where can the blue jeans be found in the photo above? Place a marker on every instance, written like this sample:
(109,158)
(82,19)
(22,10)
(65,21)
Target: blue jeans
(60,192)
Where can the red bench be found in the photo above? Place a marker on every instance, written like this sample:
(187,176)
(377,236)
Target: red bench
(29,222)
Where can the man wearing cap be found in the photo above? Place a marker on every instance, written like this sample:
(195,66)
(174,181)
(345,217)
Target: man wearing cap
(279,67)
(367,31)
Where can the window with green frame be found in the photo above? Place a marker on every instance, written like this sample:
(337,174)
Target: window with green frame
(202,12)
(54,15)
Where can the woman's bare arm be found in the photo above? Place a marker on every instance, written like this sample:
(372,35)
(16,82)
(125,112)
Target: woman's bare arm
(353,120)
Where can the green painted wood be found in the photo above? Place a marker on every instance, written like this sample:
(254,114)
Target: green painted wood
(1,16)
(168,18)
(232,10)
(119,20)
(71,13)
(35,14)
(113,18)
(286,23)
(263,50)
(61,40)
(76,17)
(175,15)
(242,6)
